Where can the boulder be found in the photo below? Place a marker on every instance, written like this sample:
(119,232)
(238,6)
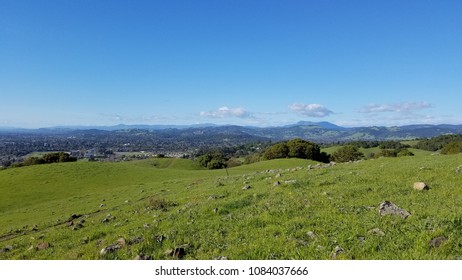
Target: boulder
(421,186)
(43,246)
(109,249)
(437,241)
(388,208)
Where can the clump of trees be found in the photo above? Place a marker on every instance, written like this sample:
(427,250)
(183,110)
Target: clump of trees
(347,153)
(438,143)
(213,160)
(296,148)
(452,148)
(46,159)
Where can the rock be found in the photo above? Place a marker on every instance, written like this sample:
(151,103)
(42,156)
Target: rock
(278,175)
(376,232)
(311,235)
(43,246)
(388,208)
(121,242)
(362,239)
(221,258)
(146,225)
(337,251)
(109,249)
(247,187)
(127,201)
(105,220)
(215,210)
(177,253)
(135,240)
(7,249)
(85,240)
(102,205)
(73,217)
(277,183)
(438,241)
(421,186)
(159,238)
(70,223)
(142,258)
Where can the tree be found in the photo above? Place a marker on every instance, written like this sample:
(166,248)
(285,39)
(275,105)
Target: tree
(452,148)
(347,153)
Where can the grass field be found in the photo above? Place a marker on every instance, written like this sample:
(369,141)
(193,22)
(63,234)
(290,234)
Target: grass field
(279,209)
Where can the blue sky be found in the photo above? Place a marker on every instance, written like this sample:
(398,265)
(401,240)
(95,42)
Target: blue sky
(353,63)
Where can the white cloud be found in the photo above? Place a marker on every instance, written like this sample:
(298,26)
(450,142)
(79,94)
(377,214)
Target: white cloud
(403,107)
(226,112)
(310,110)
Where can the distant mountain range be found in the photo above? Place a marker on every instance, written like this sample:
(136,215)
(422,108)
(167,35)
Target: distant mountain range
(314,131)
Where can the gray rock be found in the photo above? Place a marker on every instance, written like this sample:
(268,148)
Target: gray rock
(142,258)
(7,249)
(421,186)
(43,246)
(337,251)
(277,183)
(135,240)
(388,208)
(437,241)
(109,249)
(247,187)
(376,232)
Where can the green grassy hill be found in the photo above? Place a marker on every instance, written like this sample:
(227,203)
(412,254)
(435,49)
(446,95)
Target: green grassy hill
(280,209)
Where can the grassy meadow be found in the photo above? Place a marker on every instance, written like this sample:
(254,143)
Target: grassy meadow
(278,209)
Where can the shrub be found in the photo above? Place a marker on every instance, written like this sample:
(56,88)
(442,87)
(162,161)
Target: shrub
(452,148)
(347,153)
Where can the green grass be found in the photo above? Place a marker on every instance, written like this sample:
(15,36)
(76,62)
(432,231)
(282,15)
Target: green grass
(171,202)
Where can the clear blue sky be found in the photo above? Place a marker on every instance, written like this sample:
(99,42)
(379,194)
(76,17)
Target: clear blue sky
(353,63)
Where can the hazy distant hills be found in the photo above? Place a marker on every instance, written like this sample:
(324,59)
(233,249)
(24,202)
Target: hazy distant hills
(315,131)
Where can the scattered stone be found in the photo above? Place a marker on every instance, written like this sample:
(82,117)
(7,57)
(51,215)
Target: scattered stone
(362,239)
(108,218)
(421,186)
(142,258)
(458,169)
(69,224)
(109,249)
(277,183)
(388,208)
(311,235)
(100,242)
(278,175)
(121,242)
(43,246)
(127,201)
(85,240)
(177,253)
(159,238)
(146,225)
(438,241)
(135,240)
(215,210)
(102,205)
(247,187)
(221,258)
(376,232)
(73,217)
(337,251)
(7,249)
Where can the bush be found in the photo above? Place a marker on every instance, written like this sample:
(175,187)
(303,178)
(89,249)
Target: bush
(296,148)
(452,148)
(347,153)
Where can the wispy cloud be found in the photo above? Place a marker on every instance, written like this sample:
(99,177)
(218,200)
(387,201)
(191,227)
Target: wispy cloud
(403,107)
(310,110)
(226,112)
